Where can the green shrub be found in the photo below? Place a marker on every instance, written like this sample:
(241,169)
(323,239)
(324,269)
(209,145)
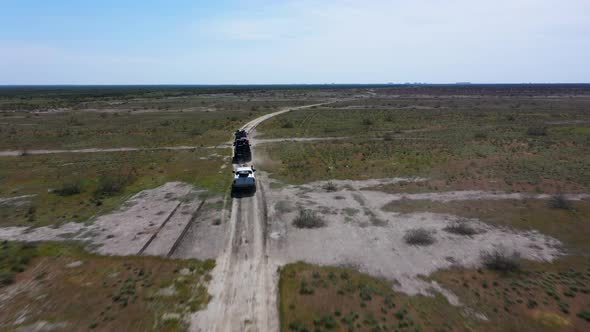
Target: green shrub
(368,122)
(69,188)
(297,326)
(537,131)
(111,184)
(6,278)
(584,314)
(14,258)
(305,289)
(288,125)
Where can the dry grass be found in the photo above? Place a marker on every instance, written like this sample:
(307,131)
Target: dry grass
(501,260)
(462,227)
(308,219)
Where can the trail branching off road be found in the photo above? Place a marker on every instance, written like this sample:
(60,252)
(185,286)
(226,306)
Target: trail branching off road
(244,285)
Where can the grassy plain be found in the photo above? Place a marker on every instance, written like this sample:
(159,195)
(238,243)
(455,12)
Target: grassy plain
(314,298)
(67,186)
(538,297)
(82,291)
(533,141)
(511,143)
(43,175)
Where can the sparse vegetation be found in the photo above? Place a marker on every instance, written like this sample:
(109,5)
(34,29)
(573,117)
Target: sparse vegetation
(308,219)
(355,302)
(368,122)
(537,131)
(111,184)
(501,260)
(511,301)
(584,314)
(461,227)
(330,187)
(124,295)
(288,125)
(70,187)
(419,237)
(14,258)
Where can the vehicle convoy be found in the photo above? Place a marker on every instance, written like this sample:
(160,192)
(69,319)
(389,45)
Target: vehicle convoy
(244,179)
(242,152)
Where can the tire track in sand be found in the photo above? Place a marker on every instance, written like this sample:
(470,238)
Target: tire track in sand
(244,285)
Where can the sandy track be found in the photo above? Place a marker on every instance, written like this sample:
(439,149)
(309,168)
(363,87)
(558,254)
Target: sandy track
(14,200)
(244,286)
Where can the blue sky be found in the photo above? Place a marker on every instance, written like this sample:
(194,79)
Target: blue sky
(304,41)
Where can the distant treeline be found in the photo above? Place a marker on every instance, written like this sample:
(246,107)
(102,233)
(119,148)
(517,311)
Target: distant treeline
(159,91)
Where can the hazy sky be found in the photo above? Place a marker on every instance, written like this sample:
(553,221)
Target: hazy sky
(293,41)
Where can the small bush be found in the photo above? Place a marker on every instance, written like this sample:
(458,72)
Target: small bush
(368,122)
(419,237)
(480,136)
(31,213)
(69,188)
(305,289)
(196,132)
(584,314)
(330,187)
(6,278)
(297,326)
(308,219)
(559,202)
(537,131)
(109,185)
(461,228)
(500,260)
(288,125)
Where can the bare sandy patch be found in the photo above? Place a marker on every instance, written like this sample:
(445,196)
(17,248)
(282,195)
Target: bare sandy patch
(151,223)
(360,234)
(16,200)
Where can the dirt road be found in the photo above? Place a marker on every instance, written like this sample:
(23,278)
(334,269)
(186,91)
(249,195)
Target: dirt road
(244,285)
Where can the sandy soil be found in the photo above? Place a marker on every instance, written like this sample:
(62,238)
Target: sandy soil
(16,200)
(148,223)
(360,234)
